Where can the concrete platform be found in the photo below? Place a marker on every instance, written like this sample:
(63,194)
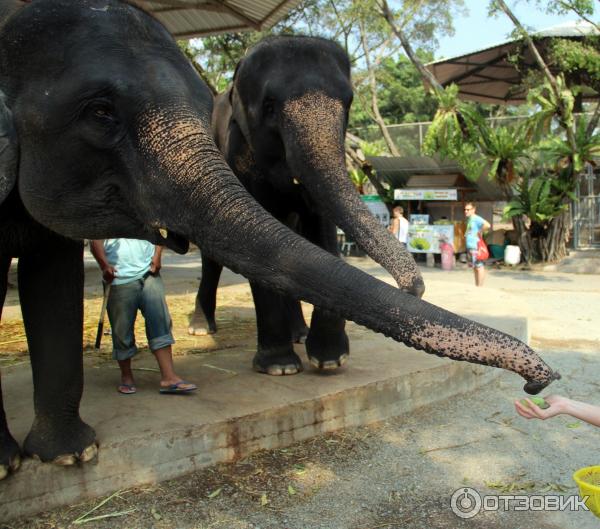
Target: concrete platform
(147,437)
(578,262)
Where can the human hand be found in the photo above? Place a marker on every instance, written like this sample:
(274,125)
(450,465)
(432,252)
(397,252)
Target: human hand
(155,265)
(109,273)
(530,410)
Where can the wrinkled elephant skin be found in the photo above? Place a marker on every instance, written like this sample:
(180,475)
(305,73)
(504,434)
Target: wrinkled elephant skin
(282,127)
(105,132)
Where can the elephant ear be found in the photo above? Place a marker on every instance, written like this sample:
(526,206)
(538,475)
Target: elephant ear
(8,150)
(238,112)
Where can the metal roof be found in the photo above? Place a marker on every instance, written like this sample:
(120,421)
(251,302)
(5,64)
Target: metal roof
(487,75)
(196,18)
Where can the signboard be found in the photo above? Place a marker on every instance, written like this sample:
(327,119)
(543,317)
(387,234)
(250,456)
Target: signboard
(427,238)
(377,208)
(419,219)
(425,194)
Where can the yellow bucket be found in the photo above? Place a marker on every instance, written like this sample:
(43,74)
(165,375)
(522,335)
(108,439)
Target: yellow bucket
(588,479)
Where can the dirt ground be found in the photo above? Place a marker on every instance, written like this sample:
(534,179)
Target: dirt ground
(397,474)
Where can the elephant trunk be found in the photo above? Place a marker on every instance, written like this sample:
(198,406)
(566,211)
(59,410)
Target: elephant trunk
(214,210)
(314,135)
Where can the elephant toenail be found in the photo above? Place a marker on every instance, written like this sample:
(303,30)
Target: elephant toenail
(89,453)
(65,460)
(15,463)
(3,472)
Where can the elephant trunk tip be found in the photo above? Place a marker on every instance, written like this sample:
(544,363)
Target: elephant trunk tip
(417,289)
(533,387)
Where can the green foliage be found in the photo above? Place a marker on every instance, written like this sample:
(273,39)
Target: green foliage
(459,131)
(579,60)
(558,152)
(400,92)
(551,106)
(358,178)
(579,7)
(373,148)
(445,136)
(536,198)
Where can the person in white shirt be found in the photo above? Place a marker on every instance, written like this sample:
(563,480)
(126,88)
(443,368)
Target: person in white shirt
(399,225)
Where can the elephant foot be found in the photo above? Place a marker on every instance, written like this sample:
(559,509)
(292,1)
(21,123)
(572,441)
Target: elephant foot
(277,365)
(201,326)
(10,457)
(63,445)
(299,335)
(329,365)
(328,353)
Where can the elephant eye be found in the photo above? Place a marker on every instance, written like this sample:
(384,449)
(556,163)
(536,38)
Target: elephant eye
(269,105)
(101,110)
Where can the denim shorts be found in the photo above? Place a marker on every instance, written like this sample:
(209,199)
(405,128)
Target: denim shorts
(148,295)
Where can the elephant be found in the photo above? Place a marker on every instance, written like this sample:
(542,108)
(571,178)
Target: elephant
(284,139)
(109,136)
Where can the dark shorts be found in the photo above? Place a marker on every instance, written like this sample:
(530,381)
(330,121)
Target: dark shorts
(147,295)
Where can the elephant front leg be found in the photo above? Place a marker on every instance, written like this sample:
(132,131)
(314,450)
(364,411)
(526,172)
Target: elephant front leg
(51,292)
(10,454)
(275,354)
(327,344)
(298,326)
(203,320)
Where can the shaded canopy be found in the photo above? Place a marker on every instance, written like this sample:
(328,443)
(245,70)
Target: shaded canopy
(431,173)
(488,76)
(195,18)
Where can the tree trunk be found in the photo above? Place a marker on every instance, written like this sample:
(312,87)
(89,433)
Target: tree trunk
(374,102)
(554,245)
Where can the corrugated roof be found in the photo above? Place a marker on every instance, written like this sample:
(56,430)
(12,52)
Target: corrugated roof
(195,18)
(573,28)
(488,75)
(427,172)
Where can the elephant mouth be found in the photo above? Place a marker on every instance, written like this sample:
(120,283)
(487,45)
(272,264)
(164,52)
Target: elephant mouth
(171,240)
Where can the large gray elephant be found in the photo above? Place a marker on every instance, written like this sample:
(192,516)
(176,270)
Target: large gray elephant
(281,127)
(105,132)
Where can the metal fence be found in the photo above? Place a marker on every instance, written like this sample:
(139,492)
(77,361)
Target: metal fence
(586,211)
(409,137)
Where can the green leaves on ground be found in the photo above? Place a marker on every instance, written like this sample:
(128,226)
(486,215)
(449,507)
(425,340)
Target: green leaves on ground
(215,493)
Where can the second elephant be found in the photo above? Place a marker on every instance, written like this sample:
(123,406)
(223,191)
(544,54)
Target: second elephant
(281,127)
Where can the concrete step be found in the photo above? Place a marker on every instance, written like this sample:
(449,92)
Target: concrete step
(146,438)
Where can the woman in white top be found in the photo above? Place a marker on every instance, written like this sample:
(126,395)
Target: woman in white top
(399,225)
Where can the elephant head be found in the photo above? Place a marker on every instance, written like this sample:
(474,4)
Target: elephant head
(295,126)
(111,128)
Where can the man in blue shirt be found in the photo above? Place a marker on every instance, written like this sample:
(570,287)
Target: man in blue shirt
(476,225)
(132,268)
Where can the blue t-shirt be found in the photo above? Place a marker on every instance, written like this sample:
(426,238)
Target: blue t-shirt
(474,225)
(130,257)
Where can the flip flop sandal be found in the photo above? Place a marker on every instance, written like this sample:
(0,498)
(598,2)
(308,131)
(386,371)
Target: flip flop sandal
(126,389)
(176,388)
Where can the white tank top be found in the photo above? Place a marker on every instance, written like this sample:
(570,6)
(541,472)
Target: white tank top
(403,230)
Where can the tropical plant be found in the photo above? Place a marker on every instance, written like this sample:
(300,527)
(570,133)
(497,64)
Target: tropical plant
(535,199)
(359,179)
(586,150)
